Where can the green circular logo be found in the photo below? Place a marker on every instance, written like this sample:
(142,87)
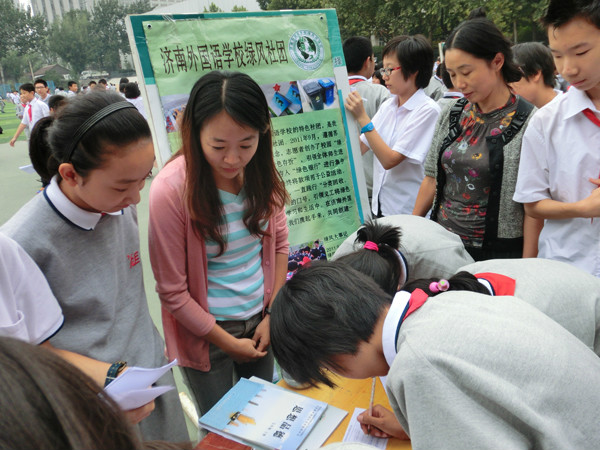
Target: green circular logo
(306,49)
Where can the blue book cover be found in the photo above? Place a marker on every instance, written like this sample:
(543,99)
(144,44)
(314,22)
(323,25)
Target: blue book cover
(264,415)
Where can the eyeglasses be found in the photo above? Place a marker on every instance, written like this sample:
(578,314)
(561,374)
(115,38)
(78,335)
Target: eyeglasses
(374,59)
(387,71)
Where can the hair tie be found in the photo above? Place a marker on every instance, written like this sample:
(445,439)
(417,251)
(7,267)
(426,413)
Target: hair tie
(439,286)
(370,245)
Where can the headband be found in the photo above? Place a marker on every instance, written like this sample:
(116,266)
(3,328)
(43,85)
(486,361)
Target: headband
(439,286)
(93,120)
(370,245)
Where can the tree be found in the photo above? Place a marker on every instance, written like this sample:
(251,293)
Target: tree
(296,4)
(139,7)
(108,28)
(237,8)
(69,39)
(212,8)
(20,31)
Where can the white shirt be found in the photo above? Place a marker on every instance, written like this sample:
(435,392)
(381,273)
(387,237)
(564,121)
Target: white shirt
(406,129)
(138,102)
(28,309)
(86,220)
(560,152)
(390,325)
(38,108)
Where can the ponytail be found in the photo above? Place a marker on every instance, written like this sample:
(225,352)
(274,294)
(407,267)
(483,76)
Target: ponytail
(462,281)
(379,257)
(40,153)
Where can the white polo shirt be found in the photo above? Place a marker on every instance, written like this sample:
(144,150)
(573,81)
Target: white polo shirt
(560,152)
(406,129)
(28,309)
(38,109)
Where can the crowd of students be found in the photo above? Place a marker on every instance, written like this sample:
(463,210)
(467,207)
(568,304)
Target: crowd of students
(480,347)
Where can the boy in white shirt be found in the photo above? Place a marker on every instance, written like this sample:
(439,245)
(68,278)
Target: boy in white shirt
(560,159)
(34,110)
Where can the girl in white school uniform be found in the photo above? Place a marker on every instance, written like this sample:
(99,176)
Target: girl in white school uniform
(218,237)
(401,131)
(82,233)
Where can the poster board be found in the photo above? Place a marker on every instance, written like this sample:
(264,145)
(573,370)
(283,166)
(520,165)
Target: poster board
(297,59)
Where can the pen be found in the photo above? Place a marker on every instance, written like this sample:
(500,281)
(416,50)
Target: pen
(371,403)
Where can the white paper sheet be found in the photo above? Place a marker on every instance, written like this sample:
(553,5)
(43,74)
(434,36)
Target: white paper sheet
(132,389)
(355,434)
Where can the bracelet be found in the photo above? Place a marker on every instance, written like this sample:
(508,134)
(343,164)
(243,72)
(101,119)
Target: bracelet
(113,371)
(368,127)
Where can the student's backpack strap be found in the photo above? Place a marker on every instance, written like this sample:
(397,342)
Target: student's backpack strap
(454,131)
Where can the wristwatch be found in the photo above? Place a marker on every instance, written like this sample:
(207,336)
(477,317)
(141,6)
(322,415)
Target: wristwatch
(368,127)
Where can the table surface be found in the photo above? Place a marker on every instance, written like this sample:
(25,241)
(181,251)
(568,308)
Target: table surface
(350,394)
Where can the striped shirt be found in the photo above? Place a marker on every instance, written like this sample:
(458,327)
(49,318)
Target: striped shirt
(235,279)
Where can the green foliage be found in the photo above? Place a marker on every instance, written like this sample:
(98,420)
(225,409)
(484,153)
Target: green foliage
(20,31)
(295,4)
(237,8)
(70,39)
(139,7)
(15,67)
(212,8)
(108,28)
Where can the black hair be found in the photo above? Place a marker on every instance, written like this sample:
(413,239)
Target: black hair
(315,253)
(534,57)
(102,80)
(462,281)
(56,101)
(92,82)
(415,55)
(131,90)
(356,50)
(39,150)
(481,38)
(383,265)
(445,76)
(123,80)
(377,73)
(292,265)
(325,310)
(47,403)
(115,130)
(239,96)
(560,12)
(71,83)
(477,13)
(27,87)
(42,81)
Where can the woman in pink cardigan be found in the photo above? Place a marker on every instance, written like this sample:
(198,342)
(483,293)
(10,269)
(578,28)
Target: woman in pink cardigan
(218,237)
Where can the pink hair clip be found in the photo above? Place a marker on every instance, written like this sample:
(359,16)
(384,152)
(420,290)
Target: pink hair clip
(370,245)
(439,286)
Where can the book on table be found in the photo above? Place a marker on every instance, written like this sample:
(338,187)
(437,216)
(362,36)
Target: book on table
(264,416)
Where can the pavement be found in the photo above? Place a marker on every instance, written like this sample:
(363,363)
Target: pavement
(18,187)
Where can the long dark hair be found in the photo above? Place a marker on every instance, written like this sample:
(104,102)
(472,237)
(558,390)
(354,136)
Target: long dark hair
(481,38)
(107,135)
(382,265)
(47,403)
(241,98)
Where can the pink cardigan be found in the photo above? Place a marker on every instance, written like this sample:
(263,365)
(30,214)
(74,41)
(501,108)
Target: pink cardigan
(179,264)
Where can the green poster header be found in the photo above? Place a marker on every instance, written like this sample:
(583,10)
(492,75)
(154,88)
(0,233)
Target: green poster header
(290,47)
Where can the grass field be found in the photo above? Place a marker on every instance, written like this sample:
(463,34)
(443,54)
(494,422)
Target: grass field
(9,123)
